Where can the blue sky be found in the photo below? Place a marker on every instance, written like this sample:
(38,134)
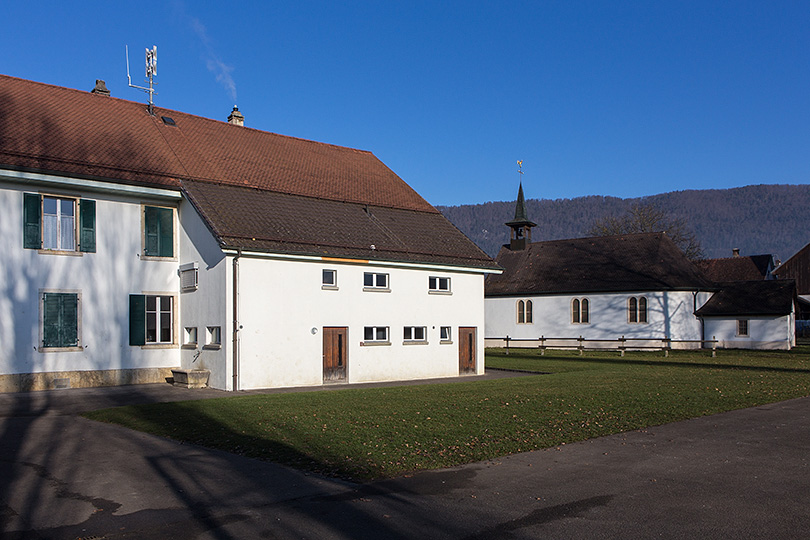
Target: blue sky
(597,98)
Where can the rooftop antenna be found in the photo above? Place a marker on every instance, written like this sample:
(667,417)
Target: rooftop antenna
(151,71)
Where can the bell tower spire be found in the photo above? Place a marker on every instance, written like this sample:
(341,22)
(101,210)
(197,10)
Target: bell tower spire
(521,235)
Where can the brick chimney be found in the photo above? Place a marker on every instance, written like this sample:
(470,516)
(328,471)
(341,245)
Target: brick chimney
(236,117)
(101,88)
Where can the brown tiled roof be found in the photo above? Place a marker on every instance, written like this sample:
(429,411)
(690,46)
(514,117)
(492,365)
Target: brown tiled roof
(239,217)
(751,298)
(632,262)
(72,132)
(798,268)
(256,190)
(736,268)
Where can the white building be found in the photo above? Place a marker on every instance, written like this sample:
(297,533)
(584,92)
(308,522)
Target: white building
(136,244)
(639,287)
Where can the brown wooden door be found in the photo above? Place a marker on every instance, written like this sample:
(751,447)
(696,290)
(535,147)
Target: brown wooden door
(466,350)
(334,353)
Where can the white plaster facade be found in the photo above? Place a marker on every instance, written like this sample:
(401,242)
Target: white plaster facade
(670,314)
(282,308)
(763,332)
(103,280)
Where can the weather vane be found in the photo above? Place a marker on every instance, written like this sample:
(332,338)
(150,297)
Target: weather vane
(520,168)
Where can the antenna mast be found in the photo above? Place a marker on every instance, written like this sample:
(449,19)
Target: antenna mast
(151,72)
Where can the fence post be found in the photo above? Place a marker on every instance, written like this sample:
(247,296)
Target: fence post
(667,346)
(714,346)
(507,345)
(542,346)
(581,346)
(622,345)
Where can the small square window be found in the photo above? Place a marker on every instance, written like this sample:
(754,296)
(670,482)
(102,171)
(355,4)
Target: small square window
(213,336)
(190,335)
(329,278)
(444,334)
(438,284)
(375,334)
(372,280)
(414,333)
(742,327)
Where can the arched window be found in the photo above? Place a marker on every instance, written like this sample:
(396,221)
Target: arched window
(579,311)
(524,312)
(637,309)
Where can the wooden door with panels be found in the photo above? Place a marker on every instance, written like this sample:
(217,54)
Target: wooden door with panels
(466,350)
(334,353)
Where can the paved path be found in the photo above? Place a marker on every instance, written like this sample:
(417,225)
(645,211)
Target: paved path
(742,474)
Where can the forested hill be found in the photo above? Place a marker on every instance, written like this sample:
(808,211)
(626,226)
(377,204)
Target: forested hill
(760,219)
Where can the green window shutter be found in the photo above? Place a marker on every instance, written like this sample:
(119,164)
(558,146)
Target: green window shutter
(87,232)
(159,231)
(166,233)
(151,231)
(32,209)
(60,321)
(137,319)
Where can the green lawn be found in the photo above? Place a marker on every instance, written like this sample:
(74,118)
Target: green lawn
(384,432)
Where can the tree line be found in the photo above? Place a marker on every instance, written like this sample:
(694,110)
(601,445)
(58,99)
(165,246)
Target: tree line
(757,219)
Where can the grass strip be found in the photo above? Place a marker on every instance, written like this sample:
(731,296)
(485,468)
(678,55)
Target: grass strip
(370,433)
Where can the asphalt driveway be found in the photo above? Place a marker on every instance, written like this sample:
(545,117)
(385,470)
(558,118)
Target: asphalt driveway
(742,474)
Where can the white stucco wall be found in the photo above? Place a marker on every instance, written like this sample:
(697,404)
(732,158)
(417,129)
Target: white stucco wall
(210,304)
(104,280)
(669,314)
(763,332)
(281,302)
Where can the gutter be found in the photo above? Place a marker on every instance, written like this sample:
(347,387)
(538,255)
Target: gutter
(236,325)
(99,186)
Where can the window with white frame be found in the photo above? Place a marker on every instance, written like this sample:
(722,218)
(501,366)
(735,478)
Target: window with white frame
(637,309)
(374,280)
(151,319)
(213,336)
(190,336)
(60,320)
(56,223)
(414,333)
(742,327)
(580,308)
(524,312)
(329,279)
(445,334)
(438,284)
(375,334)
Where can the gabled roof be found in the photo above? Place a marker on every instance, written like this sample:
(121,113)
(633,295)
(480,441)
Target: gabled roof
(797,267)
(743,268)
(65,131)
(302,194)
(631,262)
(268,221)
(751,298)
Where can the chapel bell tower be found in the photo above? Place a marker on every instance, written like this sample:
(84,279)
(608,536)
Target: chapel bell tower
(521,226)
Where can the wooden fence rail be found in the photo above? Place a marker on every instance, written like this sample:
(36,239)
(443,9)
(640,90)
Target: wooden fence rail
(622,343)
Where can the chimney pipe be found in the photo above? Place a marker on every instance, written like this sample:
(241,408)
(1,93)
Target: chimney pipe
(101,88)
(236,117)
(736,252)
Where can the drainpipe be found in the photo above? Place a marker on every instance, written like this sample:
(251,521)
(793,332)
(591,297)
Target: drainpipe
(236,326)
